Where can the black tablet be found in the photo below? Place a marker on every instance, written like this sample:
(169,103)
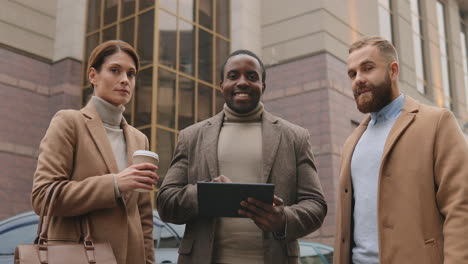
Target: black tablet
(223,199)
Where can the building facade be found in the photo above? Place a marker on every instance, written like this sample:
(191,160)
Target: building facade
(182,44)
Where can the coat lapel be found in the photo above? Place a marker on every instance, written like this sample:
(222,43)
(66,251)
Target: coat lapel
(410,108)
(271,134)
(210,143)
(349,149)
(98,133)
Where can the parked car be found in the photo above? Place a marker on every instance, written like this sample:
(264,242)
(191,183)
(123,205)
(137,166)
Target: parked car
(22,228)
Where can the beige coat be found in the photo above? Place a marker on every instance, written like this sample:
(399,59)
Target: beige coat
(287,162)
(422,194)
(76,149)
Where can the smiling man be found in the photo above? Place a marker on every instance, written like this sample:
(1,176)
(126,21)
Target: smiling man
(244,144)
(403,186)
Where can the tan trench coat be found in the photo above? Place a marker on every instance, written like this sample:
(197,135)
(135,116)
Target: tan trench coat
(422,194)
(287,162)
(76,149)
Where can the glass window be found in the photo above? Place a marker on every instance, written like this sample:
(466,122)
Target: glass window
(219,101)
(205,50)
(91,42)
(205,95)
(205,13)
(166,98)
(143,96)
(94,15)
(187,47)
(110,11)
(385,19)
(165,149)
(222,51)
(128,8)
(170,5)
(127,30)
(109,33)
(187,9)
(146,3)
(87,93)
(147,132)
(464,51)
(418,45)
(145,37)
(222,17)
(186,102)
(440,8)
(167,39)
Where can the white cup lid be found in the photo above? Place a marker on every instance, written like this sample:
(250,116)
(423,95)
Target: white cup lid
(146,153)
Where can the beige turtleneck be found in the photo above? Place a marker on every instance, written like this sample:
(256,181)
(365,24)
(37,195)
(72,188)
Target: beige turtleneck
(111,117)
(239,240)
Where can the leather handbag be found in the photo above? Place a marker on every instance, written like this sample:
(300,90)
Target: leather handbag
(85,252)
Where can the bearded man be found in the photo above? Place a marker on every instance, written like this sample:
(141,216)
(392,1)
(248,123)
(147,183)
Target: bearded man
(403,186)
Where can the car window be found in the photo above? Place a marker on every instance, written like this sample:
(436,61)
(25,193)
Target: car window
(19,234)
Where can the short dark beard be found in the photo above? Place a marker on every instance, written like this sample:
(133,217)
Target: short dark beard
(381,96)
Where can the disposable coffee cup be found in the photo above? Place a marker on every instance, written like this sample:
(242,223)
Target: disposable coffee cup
(145,156)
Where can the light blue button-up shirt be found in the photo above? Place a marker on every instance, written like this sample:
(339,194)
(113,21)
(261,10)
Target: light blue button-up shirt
(365,169)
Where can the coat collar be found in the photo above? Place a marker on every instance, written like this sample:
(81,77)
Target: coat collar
(98,133)
(271,134)
(409,110)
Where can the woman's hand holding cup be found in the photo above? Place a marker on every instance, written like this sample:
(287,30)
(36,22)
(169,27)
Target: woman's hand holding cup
(140,176)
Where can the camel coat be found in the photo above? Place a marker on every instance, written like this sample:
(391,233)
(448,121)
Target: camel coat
(422,192)
(76,149)
(287,162)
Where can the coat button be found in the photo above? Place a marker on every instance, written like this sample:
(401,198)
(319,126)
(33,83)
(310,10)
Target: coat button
(346,190)
(342,240)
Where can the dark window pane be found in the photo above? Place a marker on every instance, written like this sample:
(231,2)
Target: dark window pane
(94,15)
(167,39)
(170,5)
(91,42)
(222,17)
(87,93)
(127,30)
(222,51)
(109,33)
(205,46)
(128,112)
(187,9)
(219,101)
(146,3)
(166,98)
(205,102)
(186,105)
(128,7)
(187,47)
(143,97)
(147,132)
(205,13)
(110,11)
(165,149)
(145,37)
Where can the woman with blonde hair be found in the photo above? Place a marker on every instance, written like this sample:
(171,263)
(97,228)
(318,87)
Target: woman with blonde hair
(91,150)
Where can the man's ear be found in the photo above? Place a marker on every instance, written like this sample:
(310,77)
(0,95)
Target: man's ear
(394,70)
(92,76)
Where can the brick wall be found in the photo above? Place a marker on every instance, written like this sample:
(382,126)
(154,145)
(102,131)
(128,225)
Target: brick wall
(31,91)
(315,93)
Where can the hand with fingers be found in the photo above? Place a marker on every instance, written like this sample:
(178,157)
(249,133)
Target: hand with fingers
(222,178)
(141,175)
(268,217)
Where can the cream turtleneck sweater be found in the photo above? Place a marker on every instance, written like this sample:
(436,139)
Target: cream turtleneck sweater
(239,240)
(111,117)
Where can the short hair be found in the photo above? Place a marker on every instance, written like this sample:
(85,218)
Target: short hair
(248,53)
(108,48)
(385,47)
